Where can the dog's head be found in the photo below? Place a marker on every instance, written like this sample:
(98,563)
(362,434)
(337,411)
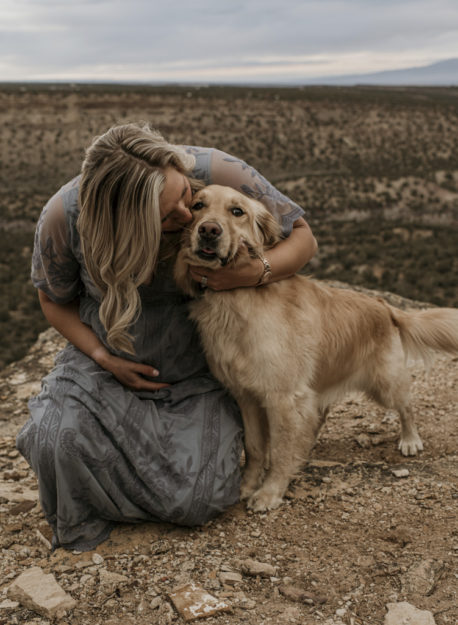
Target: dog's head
(225,225)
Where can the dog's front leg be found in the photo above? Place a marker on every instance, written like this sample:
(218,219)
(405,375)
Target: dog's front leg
(256,437)
(293,426)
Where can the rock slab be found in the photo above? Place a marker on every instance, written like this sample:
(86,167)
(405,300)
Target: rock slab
(253,568)
(193,602)
(407,614)
(40,592)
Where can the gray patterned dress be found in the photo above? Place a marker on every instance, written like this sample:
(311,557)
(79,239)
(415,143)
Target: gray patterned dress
(104,453)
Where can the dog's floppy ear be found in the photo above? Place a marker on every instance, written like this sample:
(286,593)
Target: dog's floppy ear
(269,228)
(183,277)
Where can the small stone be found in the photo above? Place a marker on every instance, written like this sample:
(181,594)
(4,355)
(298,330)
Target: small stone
(420,578)
(110,581)
(253,568)
(230,577)
(12,528)
(83,564)
(193,602)
(24,506)
(155,603)
(296,593)
(85,578)
(160,546)
(40,592)
(97,558)
(340,612)
(8,605)
(404,612)
(43,539)
(363,441)
(400,472)
(401,535)
(247,604)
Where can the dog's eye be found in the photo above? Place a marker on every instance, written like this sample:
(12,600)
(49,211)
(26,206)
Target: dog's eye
(236,211)
(197,206)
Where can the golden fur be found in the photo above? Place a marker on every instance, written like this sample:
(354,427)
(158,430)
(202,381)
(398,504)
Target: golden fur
(289,349)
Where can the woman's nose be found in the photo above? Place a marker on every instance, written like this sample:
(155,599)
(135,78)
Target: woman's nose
(185,214)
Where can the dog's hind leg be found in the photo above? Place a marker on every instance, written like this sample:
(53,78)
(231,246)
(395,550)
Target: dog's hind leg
(256,452)
(293,428)
(392,391)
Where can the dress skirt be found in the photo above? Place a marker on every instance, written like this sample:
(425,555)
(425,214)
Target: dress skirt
(104,453)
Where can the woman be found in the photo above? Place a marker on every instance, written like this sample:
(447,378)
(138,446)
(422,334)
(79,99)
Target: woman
(130,425)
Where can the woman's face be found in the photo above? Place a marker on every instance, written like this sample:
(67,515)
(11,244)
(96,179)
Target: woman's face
(175,201)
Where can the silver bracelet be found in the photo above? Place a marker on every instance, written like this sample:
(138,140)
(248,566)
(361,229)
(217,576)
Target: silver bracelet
(266,274)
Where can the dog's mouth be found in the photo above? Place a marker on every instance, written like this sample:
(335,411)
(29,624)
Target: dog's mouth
(206,253)
(212,256)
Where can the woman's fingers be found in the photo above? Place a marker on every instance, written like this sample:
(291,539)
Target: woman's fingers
(135,374)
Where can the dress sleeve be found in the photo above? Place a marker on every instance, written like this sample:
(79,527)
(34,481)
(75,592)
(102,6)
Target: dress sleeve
(55,269)
(233,172)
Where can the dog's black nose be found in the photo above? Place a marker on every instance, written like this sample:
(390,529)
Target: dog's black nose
(210,230)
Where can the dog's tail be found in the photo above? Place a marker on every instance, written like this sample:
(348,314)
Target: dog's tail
(425,331)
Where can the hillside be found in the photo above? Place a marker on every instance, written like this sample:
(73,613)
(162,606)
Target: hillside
(354,535)
(376,169)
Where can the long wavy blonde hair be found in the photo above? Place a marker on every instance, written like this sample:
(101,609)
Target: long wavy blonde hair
(122,178)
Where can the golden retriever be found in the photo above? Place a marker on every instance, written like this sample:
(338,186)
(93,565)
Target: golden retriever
(289,349)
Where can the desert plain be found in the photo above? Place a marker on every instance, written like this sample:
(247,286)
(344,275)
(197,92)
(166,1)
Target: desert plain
(362,527)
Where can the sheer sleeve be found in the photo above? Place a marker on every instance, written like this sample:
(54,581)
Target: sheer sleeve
(55,269)
(233,172)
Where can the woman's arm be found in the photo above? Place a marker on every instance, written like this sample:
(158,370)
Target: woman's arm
(65,318)
(285,259)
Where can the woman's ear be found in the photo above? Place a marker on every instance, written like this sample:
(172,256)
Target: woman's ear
(269,228)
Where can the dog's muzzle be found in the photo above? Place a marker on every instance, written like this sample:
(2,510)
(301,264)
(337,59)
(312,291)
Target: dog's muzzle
(209,233)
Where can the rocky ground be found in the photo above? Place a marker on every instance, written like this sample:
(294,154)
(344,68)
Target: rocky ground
(361,528)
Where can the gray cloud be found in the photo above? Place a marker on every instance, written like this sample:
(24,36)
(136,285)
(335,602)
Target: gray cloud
(44,37)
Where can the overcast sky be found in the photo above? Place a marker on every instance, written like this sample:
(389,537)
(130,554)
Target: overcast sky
(220,40)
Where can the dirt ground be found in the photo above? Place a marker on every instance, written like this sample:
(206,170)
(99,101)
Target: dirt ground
(350,538)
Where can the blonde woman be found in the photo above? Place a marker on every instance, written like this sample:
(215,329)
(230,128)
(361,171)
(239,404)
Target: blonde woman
(130,425)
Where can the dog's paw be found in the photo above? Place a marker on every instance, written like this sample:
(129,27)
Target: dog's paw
(261,501)
(409,446)
(251,482)
(247,490)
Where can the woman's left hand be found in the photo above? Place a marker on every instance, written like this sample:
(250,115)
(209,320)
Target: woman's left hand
(245,272)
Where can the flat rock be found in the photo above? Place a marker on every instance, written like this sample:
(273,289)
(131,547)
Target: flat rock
(420,578)
(230,577)
(110,581)
(253,567)
(9,605)
(12,493)
(40,592)
(296,593)
(407,614)
(193,602)
(400,472)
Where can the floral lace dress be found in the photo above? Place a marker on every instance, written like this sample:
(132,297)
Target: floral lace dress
(104,453)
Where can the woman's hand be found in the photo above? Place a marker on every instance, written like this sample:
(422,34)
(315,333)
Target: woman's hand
(246,271)
(65,318)
(128,372)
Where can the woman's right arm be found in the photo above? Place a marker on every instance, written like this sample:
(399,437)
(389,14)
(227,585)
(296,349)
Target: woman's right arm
(65,318)
(56,275)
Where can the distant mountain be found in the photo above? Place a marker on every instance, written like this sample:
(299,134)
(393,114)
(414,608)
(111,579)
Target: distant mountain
(443,73)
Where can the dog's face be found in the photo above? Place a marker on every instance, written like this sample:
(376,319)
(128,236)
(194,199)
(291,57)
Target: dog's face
(225,224)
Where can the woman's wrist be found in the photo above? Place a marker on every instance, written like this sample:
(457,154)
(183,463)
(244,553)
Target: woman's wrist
(101,356)
(266,273)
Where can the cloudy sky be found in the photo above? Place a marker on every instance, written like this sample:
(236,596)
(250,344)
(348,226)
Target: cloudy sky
(220,40)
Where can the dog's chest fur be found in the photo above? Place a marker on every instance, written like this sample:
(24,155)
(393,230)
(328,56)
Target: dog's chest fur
(243,336)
